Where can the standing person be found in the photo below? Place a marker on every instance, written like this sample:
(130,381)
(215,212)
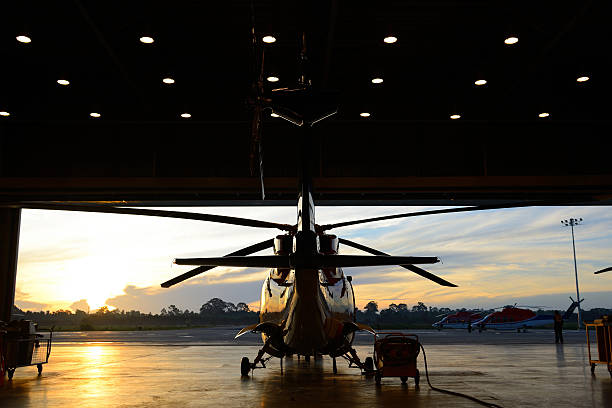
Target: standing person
(469,327)
(558,327)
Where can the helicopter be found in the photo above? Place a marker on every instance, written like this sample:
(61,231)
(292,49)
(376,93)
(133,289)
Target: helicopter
(458,320)
(513,317)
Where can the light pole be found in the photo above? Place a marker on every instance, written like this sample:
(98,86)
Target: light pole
(571,223)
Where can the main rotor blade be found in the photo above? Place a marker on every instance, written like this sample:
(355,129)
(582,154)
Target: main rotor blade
(604,270)
(246,222)
(272,261)
(347,261)
(412,268)
(311,262)
(441,211)
(241,252)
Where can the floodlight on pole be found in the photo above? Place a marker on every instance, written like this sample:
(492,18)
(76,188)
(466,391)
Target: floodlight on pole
(571,223)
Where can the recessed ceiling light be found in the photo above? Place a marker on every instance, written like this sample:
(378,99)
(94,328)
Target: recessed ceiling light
(24,39)
(377,80)
(583,79)
(275,115)
(146,40)
(511,40)
(63,82)
(390,39)
(544,115)
(455,116)
(95,115)
(185,115)
(480,82)
(4,113)
(272,79)
(364,114)
(168,81)
(269,39)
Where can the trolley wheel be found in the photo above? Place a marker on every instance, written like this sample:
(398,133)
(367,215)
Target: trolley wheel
(334,365)
(404,379)
(10,373)
(593,368)
(369,364)
(39,366)
(245,367)
(417,378)
(377,377)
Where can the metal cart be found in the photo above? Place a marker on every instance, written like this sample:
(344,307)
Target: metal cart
(603,338)
(395,355)
(20,349)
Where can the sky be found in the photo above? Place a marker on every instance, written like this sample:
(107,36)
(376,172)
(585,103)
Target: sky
(70,260)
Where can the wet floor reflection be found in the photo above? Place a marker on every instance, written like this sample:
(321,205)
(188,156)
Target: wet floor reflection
(140,375)
(560,355)
(306,384)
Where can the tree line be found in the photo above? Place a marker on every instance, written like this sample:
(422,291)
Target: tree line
(214,312)
(218,312)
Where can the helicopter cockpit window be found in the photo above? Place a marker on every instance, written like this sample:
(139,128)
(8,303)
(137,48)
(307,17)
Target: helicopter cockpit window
(282,276)
(329,276)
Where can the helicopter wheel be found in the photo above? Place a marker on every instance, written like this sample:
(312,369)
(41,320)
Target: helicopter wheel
(245,367)
(404,379)
(369,364)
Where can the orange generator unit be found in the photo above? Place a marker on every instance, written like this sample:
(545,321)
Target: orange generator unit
(395,355)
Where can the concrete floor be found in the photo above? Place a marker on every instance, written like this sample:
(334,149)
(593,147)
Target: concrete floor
(508,369)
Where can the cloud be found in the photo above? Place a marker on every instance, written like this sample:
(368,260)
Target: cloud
(192,296)
(34,306)
(80,305)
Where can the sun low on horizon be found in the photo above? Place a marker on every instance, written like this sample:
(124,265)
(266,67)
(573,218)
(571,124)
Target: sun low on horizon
(71,260)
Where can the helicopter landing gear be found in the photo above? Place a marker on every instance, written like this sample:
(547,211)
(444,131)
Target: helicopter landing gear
(334,365)
(246,366)
(367,367)
(369,364)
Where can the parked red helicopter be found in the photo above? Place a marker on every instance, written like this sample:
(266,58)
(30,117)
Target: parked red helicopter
(515,318)
(459,320)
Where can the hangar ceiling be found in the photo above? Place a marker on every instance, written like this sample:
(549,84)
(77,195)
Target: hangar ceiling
(407,151)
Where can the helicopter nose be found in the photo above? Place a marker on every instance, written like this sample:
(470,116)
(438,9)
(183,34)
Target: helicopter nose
(305,324)
(305,330)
